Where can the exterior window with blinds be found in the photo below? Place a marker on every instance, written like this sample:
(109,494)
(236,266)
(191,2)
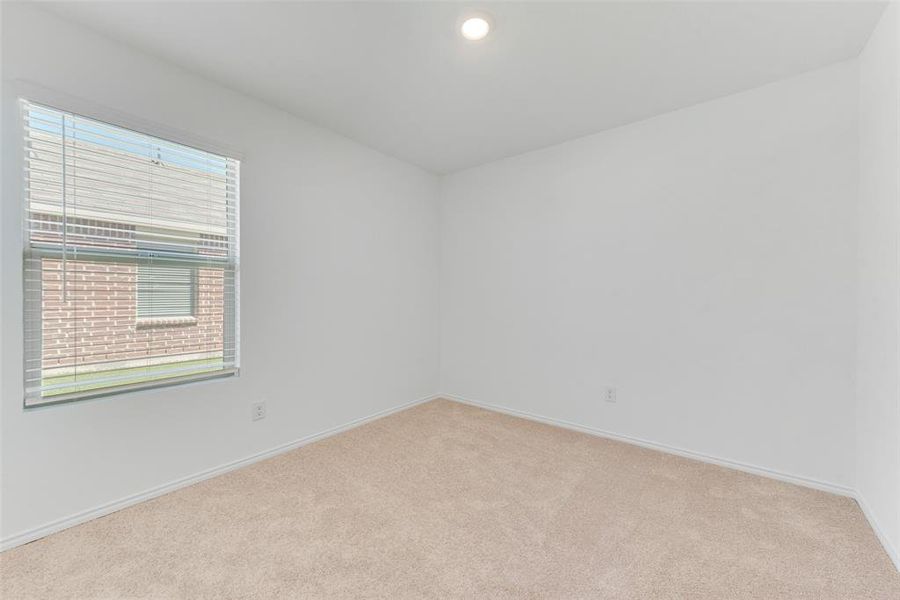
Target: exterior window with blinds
(131,260)
(165,292)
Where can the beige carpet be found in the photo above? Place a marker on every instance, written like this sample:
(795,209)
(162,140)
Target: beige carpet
(449,501)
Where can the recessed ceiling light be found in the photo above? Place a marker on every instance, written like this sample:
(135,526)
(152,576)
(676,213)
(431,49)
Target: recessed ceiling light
(475,28)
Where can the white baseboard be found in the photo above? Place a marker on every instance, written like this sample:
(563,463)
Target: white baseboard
(722,462)
(824,486)
(879,530)
(111,507)
(715,460)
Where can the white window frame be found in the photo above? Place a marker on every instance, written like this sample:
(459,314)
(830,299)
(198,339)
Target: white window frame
(27,92)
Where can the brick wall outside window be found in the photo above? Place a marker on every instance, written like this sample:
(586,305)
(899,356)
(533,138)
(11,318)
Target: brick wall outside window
(100,315)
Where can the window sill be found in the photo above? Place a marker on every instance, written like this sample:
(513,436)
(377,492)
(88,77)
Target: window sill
(134,387)
(165,322)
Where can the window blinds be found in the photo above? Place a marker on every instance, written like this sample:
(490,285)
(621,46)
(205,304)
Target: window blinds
(131,260)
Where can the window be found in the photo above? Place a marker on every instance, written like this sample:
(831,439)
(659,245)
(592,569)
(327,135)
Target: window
(165,292)
(131,260)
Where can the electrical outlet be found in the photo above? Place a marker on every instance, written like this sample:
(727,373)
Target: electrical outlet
(258,410)
(609,394)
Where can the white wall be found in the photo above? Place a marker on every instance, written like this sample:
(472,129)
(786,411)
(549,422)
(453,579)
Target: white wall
(878,381)
(702,262)
(343,325)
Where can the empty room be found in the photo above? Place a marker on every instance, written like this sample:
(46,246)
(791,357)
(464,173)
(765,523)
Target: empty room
(450,300)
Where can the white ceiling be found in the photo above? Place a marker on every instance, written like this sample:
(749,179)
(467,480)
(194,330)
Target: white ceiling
(399,78)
